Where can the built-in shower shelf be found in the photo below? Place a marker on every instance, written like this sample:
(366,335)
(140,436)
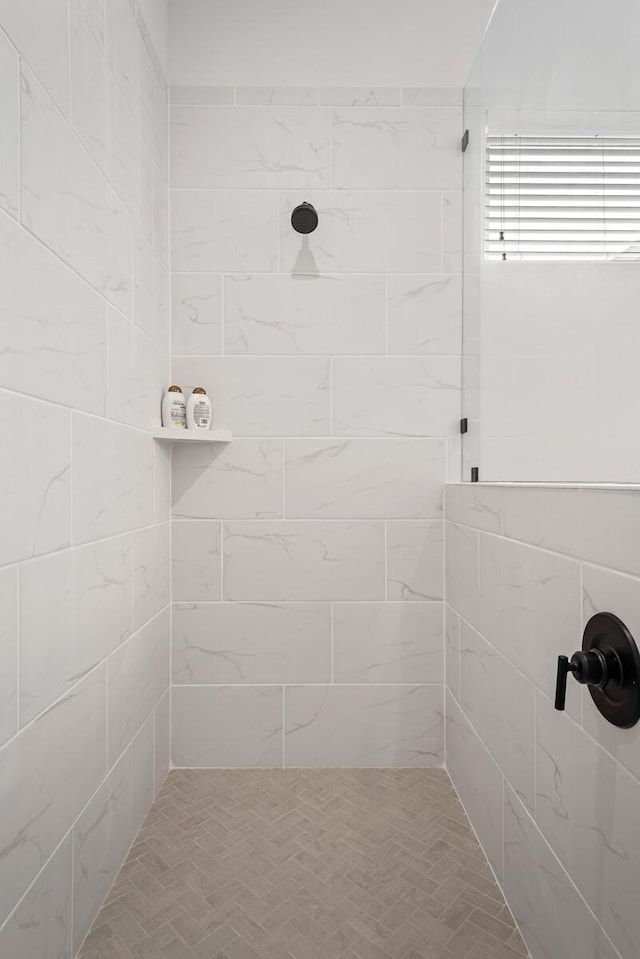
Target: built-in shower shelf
(191,436)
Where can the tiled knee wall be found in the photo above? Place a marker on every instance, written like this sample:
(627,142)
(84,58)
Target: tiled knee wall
(307,554)
(553,796)
(84,504)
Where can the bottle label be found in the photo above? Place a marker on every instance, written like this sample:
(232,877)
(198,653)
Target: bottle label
(178,414)
(202,416)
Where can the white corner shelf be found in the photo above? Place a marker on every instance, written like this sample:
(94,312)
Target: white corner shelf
(175,435)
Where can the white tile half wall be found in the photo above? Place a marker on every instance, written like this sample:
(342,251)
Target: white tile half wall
(554,796)
(308,553)
(84,520)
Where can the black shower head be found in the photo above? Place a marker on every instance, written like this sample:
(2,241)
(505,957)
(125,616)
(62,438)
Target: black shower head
(304,218)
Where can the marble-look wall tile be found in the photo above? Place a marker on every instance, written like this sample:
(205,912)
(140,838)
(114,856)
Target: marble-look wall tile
(364,478)
(159,216)
(10,126)
(363,726)
(251,643)
(151,572)
(396,149)
(461,575)
(161,482)
(75,609)
(94,13)
(67,203)
(387,643)
(262,396)
(452,231)
(151,292)
(396,395)
(152,104)
(227,230)
(216,96)
(40,31)
(364,232)
(483,674)
(478,782)
(138,678)
(35,510)
(471,504)
(196,314)
(432,96)
(266,147)
(101,116)
(52,325)
(107,827)
(587,808)
(551,915)
(359,96)
(40,927)
(599,526)
(452,650)
(8,653)
(121,48)
(48,774)
(606,591)
(241,480)
(138,373)
(303,561)
(280,96)
(112,478)
(414,561)
(196,561)
(306,314)
(227,726)
(161,741)
(425,314)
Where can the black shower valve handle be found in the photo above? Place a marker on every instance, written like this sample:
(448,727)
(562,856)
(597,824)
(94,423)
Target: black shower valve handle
(594,667)
(565,666)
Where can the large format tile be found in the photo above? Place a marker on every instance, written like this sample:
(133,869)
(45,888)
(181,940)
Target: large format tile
(112,478)
(196,313)
(121,47)
(217,231)
(161,740)
(151,572)
(587,808)
(223,147)
(303,561)
(152,102)
(363,725)
(137,374)
(262,396)
(35,515)
(138,678)
(471,504)
(478,781)
(67,203)
(196,561)
(364,232)
(75,609)
(10,126)
(40,927)
(397,396)
(552,916)
(364,478)
(360,96)
(8,653)
(425,314)
(414,560)
(241,480)
(274,96)
(40,31)
(53,325)
(245,643)
(48,773)
(150,292)
(394,149)
(485,675)
(306,314)
(107,827)
(461,574)
(600,526)
(452,650)
(226,726)
(387,643)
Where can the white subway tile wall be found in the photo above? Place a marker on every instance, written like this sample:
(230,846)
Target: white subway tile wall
(84,521)
(308,554)
(553,796)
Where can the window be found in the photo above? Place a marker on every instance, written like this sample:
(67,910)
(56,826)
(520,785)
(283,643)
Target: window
(562,197)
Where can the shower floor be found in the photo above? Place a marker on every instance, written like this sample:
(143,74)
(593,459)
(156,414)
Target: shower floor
(305,864)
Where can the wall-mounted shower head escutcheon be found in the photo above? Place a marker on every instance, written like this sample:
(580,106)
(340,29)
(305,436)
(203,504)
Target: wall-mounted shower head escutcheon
(609,664)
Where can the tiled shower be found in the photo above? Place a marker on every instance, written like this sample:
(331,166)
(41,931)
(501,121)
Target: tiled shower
(288,691)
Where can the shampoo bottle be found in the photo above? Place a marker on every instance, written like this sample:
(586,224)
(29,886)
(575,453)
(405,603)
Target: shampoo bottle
(199,410)
(174,411)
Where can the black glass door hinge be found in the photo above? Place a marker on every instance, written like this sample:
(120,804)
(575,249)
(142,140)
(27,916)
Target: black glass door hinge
(464,425)
(475,477)
(465,140)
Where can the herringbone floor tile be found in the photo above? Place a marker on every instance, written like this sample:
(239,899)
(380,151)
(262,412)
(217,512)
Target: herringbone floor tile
(305,864)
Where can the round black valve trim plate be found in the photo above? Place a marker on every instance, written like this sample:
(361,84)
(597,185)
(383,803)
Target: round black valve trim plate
(619,699)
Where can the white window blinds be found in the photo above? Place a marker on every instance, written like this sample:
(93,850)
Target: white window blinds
(562,198)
